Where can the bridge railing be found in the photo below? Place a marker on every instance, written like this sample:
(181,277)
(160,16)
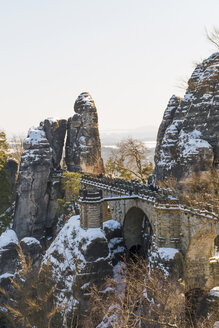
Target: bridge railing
(130,187)
(163,197)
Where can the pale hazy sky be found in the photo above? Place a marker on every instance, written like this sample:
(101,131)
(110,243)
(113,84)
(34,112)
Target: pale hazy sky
(129,54)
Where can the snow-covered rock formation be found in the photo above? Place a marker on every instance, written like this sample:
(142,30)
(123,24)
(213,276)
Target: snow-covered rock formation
(9,257)
(80,258)
(39,182)
(188,137)
(83,149)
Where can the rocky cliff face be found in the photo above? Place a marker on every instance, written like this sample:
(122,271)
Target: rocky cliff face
(39,181)
(37,186)
(83,149)
(55,130)
(188,137)
(80,258)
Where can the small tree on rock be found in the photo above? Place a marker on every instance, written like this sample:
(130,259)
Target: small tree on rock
(129,161)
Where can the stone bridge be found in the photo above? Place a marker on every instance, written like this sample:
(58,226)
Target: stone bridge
(146,212)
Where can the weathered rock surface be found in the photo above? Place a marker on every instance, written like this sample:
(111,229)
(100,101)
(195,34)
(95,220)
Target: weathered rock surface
(38,182)
(32,194)
(8,253)
(31,247)
(10,264)
(11,167)
(80,258)
(9,258)
(55,133)
(83,149)
(188,137)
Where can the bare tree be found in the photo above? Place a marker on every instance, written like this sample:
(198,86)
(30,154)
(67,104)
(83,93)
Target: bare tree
(129,161)
(16,147)
(213,37)
(148,299)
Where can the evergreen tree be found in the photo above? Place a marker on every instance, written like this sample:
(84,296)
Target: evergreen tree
(5,186)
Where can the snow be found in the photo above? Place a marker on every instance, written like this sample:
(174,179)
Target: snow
(215,291)
(188,97)
(207,96)
(112,225)
(86,98)
(82,140)
(35,136)
(119,271)
(6,275)
(30,241)
(53,119)
(191,143)
(171,197)
(167,253)
(7,237)
(65,255)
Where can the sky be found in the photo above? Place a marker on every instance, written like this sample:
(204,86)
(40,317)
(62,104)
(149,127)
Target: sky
(131,55)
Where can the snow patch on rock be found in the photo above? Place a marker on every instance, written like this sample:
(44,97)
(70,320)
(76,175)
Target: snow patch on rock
(112,225)
(36,136)
(167,253)
(66,257)
(8,237)
(191,143)
(30,241)
(215,291)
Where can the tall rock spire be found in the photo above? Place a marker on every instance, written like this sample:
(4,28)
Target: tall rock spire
(83,147)
(188,138)
(38,186)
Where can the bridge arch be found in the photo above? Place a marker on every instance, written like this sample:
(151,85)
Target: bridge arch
(201,268)
(137,231)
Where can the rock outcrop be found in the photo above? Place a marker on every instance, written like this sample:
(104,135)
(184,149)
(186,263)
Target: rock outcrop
(80,258)
(55,130)
(9,257)
(83,149)
(8,250)
(10,264)
(39,182)
(188,137)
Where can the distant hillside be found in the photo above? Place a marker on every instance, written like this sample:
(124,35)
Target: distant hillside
(144,133)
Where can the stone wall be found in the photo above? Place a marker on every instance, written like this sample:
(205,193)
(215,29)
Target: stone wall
(174,227)
(91,215)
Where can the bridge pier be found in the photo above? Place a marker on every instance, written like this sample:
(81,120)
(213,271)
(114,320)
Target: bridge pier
(91,206)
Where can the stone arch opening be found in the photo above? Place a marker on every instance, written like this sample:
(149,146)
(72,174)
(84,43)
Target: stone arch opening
(202,261)
(137,232)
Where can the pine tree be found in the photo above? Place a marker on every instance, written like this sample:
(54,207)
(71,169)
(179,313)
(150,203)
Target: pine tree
(5,186)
